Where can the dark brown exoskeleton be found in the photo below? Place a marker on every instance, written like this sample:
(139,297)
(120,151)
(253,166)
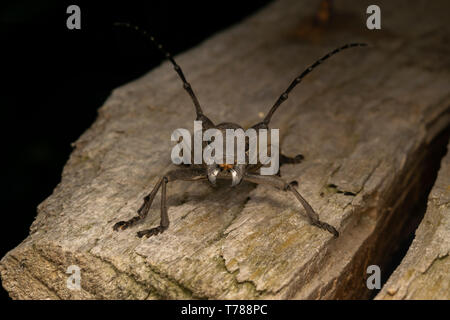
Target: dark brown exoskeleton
(230,171)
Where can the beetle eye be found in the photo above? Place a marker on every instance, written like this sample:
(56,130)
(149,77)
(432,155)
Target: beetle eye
(213,171)
(237,173)
(235,178)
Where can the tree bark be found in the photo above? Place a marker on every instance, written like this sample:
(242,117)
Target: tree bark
(366,121)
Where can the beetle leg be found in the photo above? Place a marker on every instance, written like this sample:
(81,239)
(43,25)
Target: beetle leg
(164,223)
(143,210)
(279,183)
(191,174)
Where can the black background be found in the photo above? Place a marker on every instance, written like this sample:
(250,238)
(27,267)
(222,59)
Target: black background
(55,79)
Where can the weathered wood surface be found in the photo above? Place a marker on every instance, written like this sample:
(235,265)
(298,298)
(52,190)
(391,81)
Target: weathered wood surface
(362,121)
(425,271)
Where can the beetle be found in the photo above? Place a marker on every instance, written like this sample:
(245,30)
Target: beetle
(231,171)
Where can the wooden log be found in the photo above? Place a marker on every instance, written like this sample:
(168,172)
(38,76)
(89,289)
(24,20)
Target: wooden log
(365,121)
(424,272)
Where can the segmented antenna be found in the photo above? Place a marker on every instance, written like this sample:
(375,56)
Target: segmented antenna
(297,80)
(167,55)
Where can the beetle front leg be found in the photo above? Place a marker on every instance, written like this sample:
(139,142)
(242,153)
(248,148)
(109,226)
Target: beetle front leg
(164,223)
(143,210)
(279,183)
(312,215)
(189,174)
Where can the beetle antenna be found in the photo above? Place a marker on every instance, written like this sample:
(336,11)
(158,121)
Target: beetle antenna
(297,80)
(167,55)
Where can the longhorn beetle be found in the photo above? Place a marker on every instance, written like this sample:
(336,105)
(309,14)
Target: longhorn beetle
(234,172)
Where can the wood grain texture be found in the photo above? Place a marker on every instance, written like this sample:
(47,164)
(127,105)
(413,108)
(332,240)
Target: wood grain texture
(363,120)
(424,273)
